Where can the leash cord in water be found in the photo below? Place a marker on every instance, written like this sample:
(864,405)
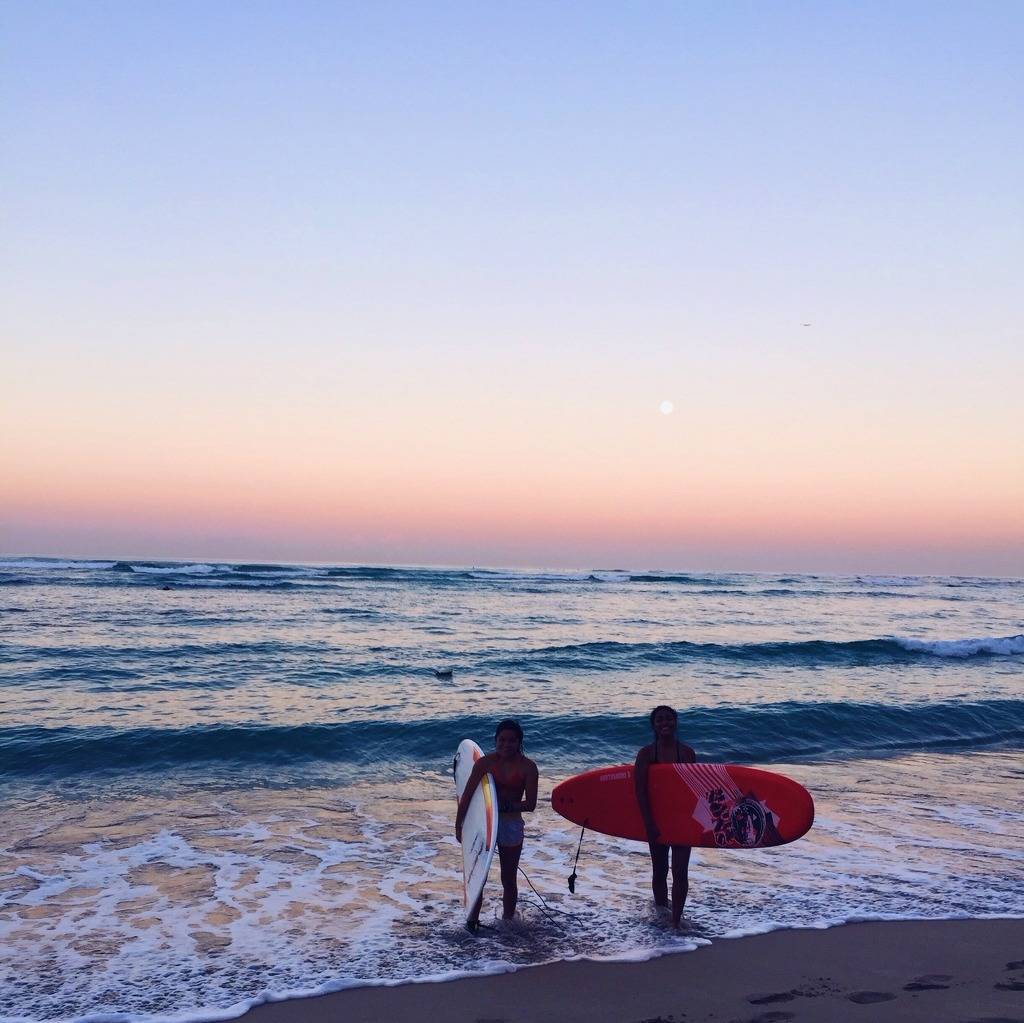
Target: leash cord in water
(572,876)
(544,907)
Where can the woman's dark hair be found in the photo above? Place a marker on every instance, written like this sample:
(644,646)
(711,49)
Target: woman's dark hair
(662,706)
(511,725)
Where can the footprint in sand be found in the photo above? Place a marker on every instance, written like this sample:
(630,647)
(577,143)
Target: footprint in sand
(870,997)
(769,1017)
(824,986)
(929,982)
(1013,985)
(781,996)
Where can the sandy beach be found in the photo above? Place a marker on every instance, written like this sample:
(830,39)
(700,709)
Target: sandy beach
(967,971)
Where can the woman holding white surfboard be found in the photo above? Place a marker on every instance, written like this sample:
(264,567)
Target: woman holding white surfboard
(666,749)
(515,778)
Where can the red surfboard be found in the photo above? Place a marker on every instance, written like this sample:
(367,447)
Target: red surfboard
(713,805)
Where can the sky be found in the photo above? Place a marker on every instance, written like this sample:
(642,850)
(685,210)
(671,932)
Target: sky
(678,285)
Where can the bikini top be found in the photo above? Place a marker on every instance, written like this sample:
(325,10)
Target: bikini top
(515,780)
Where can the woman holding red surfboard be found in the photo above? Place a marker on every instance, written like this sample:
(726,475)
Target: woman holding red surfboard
(515,778)
(666,749)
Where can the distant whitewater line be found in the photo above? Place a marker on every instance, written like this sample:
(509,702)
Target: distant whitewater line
(257,573)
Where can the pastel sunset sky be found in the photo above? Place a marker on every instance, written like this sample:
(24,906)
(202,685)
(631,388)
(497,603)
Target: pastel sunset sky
(663,285)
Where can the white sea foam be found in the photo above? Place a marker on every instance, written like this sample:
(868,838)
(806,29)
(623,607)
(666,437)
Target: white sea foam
(225,581)
(24,871)
(222,902)
(174,569)
(288,572)
(53,564)
(528,576)
(1007,646)
(893,580)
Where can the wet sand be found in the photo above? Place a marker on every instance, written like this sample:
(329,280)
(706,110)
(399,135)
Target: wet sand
(961,971)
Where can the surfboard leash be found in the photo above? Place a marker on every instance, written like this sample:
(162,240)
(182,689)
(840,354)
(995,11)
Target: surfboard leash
(572,876)
(548,911)
(545,908)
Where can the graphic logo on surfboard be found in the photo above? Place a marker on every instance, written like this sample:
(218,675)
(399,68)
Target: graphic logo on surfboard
(734,818)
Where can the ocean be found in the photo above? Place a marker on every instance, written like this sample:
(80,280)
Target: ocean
(227,783)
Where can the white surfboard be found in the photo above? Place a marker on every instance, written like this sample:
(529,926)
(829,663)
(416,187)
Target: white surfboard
(480,826)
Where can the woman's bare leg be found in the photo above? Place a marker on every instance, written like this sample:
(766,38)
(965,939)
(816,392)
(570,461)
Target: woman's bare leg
(659,872)
(680,880)
(509,857)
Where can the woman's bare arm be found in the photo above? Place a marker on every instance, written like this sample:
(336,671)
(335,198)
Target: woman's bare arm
(640,772)
(532,777)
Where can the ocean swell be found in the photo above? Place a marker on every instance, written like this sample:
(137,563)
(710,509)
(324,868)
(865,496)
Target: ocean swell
(808,653)
(762,734)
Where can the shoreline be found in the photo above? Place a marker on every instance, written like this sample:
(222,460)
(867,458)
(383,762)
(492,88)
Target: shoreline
(963,971)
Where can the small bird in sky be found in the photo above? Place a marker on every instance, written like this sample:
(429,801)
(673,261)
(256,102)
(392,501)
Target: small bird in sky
(804,324)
